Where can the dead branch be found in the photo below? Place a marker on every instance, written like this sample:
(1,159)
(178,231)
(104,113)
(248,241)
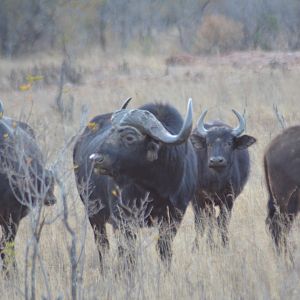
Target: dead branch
(280,118)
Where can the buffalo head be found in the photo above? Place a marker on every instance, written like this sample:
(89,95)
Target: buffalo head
(219,141)
(134,140)
(22,163)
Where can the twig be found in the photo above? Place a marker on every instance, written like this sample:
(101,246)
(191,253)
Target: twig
(279,117)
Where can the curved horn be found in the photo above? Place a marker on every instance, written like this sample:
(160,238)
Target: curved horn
(124,105)
(146,122)
(242,124)
(1,109)
(200,125)
(7,123)
(118,115)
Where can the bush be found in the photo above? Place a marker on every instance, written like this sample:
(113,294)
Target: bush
(266,36)
(218,33)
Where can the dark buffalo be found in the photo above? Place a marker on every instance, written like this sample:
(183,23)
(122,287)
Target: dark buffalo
(223,170)
(24,182)
(282,171)
(145,150)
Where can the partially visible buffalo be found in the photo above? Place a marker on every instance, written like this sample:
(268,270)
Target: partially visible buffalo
(223,169)
(282,171)
(145,150)
(24,181)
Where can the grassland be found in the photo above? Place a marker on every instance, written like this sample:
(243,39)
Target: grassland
(249,268)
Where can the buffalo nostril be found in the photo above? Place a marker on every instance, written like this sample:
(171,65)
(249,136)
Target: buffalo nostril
(217,161)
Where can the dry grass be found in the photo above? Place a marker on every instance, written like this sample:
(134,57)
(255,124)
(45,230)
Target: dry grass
(248,268)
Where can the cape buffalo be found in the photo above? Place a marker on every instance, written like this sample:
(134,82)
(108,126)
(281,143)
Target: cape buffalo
(24,181)
(282,171)
(223,169)
(143,151)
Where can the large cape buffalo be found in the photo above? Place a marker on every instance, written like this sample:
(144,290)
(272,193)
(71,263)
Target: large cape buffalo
(282,171)
(24,182)
(145,152)
(223,169)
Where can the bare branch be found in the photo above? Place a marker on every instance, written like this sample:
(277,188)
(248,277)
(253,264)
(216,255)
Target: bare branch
(280,117)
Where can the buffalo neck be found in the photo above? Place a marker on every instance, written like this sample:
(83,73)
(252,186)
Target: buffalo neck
(164,175)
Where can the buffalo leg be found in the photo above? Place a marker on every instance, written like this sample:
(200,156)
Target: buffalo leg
(167,232)
(279,223)
(7,246)
(203,216)
(126,238)
(274,223)
(223,220)
(101,240)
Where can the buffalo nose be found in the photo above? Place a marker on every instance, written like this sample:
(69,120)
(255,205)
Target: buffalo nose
(97,157)
(217,161)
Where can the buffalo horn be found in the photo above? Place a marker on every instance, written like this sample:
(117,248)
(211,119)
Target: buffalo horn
(118,115)
(241,127)
(200,125)
(126,102)
(147,123)
(1,109)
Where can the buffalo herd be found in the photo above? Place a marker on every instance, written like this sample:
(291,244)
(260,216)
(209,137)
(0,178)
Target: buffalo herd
(142,167)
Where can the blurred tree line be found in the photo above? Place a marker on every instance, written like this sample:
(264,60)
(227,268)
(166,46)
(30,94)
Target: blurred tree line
(195,26)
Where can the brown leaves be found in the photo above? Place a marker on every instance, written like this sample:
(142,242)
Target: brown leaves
(93,126)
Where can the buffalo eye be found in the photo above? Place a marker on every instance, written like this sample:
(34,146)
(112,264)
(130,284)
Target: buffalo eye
(129,138)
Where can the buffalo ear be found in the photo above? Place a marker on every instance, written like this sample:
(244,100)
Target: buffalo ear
(199,142)
(243,142)
(152,150)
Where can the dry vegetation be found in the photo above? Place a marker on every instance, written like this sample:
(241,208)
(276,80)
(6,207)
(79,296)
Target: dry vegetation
(249,267)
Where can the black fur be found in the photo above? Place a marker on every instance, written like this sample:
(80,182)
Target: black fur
(219,184)
(169,178)
(18,148)
(282,172)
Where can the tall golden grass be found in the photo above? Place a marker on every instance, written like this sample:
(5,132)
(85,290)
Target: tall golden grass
(249,268)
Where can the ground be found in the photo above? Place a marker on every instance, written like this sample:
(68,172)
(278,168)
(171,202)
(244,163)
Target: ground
(254,83)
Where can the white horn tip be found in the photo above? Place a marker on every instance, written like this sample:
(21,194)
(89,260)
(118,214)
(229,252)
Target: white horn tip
(93,156)
(190,104)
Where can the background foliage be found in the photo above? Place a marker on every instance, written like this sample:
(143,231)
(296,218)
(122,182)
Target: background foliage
(28,26)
